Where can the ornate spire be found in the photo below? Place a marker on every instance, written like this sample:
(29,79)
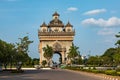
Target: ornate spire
(55,22)
(55,14)
(43,25)
(68,24)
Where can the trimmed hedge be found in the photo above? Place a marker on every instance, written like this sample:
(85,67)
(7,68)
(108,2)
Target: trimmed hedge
(118,73)
(111,72)
(108,72)
(95,71)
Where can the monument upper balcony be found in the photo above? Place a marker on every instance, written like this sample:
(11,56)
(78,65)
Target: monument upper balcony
(56,28)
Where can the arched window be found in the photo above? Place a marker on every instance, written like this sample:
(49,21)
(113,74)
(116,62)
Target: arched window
(69,30)
(44,30)
(56,30)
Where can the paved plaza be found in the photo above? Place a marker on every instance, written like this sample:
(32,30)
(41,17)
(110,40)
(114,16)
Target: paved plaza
(56,74)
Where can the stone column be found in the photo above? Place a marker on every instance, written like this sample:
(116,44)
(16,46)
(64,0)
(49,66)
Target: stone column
(40,51)
(63,57)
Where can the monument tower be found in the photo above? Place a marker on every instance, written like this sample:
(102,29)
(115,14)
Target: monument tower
(57,35)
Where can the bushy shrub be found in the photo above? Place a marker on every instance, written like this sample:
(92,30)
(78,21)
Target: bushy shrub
(111,72)
(72,68)
(118,69)
(94,68)
(101,71)
(118,73)
(89,68)
(108,72)
(95,71)
(81,67)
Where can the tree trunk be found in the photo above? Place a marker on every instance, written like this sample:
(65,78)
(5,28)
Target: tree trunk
(5,65)
(19,66)
(11,65)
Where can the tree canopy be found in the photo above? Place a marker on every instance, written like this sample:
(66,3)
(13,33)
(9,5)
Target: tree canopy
(12,54)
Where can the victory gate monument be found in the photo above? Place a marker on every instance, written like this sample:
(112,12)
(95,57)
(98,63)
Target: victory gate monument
(57,35)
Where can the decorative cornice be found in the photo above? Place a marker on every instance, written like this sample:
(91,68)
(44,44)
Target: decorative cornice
(56,33)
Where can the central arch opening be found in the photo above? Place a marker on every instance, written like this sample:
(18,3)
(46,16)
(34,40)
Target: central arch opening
(57,58)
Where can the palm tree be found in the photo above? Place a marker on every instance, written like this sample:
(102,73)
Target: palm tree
(48,53)
(73,52)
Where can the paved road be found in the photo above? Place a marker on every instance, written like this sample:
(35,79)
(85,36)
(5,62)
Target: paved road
(47,75)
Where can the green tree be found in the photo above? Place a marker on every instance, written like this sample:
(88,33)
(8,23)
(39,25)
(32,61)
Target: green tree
(109,52)
(117,59)
(22,51)
(28,62)
(6,53)
(3,53)
(112,55)
(107,57)
(11,51)
(1,50)
(73,52)
(44,62)
(94,60)
(78,60)
(35,61)
(116,56)
(48,53)
(118,42)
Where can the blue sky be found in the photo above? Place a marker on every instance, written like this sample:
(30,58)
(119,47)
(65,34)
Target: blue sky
(95,21)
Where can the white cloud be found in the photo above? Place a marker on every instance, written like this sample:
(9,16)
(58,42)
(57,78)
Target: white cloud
(96,11)
(72,9)
(111,22)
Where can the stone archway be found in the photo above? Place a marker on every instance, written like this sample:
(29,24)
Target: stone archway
(57,48)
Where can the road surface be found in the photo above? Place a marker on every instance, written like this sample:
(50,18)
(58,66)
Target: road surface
(55,74)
